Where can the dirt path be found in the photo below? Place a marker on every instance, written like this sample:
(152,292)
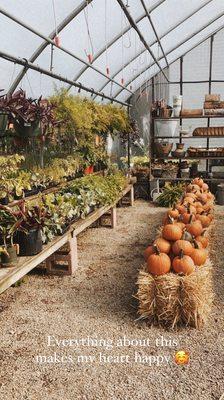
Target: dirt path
(97,303)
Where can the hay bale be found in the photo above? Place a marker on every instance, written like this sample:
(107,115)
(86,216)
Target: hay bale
(197,296)
(172,299)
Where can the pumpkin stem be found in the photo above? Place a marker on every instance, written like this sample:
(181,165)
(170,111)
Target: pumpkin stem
(181,253)
(191,217)
(195,244)
(203,232)
(156,249)
(171,220)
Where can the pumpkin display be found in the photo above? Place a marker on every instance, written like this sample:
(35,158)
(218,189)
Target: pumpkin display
(158,263)
(182,245)
(183,264)
(172,232)
(199,255)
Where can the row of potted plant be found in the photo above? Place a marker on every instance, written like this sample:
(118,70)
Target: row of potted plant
(16,182)
(27,225)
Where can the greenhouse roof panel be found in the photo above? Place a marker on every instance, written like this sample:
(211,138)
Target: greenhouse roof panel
(98,31)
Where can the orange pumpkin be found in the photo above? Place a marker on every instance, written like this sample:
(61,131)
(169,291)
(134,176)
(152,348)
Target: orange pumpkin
(199,255)
(172,232)
(205,187)
(183,264)
(187,217)
(173,213)
(203,240)
(148,252)
(205,220)
(202,197)
(192,188)
(163,245)
(158,263)
(194,228)
(182,245)
(198,181)
(189,200)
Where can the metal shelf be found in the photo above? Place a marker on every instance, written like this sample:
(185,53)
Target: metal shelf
(189,137)
(188,158)
(188,117)
(189,179)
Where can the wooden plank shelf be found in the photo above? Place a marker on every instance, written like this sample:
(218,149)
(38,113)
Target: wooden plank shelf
(8,276)
(53,189)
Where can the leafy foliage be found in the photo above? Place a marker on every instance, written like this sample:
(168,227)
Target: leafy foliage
(171,194)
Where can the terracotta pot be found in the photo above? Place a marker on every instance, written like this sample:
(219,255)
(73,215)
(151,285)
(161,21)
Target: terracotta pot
(179,152)
(162,149)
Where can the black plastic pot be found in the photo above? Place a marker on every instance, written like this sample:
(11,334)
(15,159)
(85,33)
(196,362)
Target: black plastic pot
(31,192)
(4,201)
(30,243)
(27,130)
(10,259)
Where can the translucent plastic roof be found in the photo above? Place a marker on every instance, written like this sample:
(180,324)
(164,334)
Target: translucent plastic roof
(99,31)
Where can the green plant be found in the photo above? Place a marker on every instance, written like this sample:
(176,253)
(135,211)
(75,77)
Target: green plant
(171,194)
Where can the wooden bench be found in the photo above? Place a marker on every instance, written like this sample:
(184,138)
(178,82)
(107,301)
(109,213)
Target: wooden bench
(53,251)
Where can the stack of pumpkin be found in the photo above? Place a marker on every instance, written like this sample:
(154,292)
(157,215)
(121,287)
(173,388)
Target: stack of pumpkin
(175,283)
(183,244)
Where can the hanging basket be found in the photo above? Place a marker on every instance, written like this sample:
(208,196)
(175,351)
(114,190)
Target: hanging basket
(27,129)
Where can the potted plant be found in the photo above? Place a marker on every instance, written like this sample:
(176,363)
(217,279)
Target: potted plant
(30,117)
(31,219)
(8,227)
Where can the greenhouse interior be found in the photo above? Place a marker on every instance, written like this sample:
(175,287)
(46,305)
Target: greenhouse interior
(111,199)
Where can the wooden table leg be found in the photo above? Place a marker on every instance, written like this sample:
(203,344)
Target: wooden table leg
(113,217)
(132,196)
(73,262)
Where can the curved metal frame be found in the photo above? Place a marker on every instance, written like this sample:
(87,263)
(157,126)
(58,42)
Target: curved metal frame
(65,22)
(43,46)
(116,38)
(50,41)
(183,55)
(162,37)
(173,49)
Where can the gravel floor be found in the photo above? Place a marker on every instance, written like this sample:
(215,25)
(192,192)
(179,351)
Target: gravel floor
(97,303)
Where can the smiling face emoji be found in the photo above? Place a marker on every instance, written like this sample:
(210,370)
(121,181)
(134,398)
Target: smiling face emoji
(182,357)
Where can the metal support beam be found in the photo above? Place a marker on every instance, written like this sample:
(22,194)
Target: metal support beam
(50,41)
(163,36)
(43,45)
(29,65)
(176,47)
(183,55)
(154,30)
(141,37)
(115,39)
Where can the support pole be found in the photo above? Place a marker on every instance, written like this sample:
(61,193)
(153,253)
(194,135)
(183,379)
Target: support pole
(209,90)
